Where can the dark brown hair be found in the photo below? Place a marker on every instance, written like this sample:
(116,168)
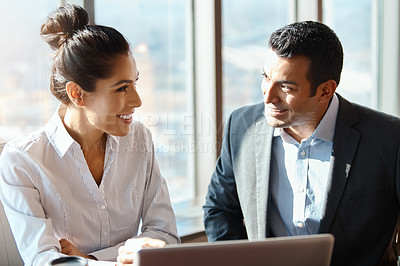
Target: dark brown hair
(83,53)
(317,42)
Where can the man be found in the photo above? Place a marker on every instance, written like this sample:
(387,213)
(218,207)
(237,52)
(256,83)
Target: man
(307,161)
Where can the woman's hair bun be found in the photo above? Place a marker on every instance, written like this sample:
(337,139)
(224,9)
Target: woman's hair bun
(63,23)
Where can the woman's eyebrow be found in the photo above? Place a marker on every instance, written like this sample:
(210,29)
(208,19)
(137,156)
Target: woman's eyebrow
(122,82)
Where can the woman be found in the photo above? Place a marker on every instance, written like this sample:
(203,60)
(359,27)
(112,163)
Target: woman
(82,184)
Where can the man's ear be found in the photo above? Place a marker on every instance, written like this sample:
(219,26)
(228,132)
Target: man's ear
(75,93)
(326,90)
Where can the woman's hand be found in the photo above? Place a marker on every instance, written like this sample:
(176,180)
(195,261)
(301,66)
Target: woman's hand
(126,253)
(69,249)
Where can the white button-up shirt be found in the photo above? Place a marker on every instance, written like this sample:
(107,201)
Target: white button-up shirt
(48,193)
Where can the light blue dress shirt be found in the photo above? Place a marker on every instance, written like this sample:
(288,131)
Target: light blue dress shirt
(299,177)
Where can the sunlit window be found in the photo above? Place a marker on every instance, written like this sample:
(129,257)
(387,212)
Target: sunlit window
(159,32)
(246,27)
(353,23)
(25,99)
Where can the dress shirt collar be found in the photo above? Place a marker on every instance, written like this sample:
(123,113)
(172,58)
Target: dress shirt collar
(57,133)
(113,141)
(326,127)
(60,138)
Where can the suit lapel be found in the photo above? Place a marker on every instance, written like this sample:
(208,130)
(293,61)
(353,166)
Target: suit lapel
(263,141)
(345,145)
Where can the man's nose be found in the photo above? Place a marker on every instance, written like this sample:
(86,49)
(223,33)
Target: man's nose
(270,92)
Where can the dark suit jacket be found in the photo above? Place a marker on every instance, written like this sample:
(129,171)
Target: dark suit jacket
(362,206)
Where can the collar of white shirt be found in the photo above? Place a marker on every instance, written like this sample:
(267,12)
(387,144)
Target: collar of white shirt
(59,136)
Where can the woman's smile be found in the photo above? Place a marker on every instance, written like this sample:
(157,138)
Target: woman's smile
(126,118)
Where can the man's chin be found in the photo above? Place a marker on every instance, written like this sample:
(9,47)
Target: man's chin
(273,122)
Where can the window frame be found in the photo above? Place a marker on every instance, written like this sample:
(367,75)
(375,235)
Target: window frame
(388,52)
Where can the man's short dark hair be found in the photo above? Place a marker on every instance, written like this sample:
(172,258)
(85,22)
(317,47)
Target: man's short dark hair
(317,42)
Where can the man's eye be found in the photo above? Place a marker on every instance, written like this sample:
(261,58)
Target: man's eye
(286,88)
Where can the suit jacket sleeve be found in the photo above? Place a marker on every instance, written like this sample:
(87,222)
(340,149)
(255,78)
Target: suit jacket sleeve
(223,218)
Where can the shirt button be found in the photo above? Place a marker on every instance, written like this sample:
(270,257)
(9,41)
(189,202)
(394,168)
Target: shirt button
(103,208)
(303,153)
(301,190)
(300,224)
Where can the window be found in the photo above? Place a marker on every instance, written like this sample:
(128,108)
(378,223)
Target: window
(25,99)
(353,23)
(159,32)
(246,27)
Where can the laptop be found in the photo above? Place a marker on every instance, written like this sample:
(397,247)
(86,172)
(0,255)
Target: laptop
(310,250)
